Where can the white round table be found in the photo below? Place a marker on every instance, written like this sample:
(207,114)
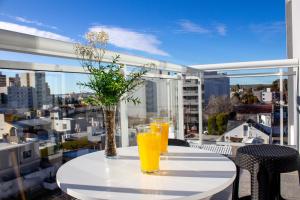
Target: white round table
(185,173)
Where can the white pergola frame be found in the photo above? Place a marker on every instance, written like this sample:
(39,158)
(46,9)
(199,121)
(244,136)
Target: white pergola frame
(29,44)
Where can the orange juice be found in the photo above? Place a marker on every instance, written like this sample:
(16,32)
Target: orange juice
(164,137)
(149,150)
(164,128)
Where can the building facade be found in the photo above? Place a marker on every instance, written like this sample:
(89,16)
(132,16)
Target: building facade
(210,87)
(39,95)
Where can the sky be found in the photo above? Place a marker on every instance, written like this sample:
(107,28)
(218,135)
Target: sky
(179,31)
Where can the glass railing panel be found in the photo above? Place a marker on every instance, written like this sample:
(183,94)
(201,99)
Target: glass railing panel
(158,99)
(44,122)
(239,108)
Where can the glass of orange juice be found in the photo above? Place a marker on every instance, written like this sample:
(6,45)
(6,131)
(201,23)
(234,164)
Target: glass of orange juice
(162,124)
(148,141)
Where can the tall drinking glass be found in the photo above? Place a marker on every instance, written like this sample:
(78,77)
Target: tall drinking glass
(161,123)
(149,148)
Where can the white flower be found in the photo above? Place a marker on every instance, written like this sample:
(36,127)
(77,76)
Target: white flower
(102,37)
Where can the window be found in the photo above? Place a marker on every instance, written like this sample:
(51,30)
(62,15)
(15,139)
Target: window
(27,154)
(245,128)
(64,126)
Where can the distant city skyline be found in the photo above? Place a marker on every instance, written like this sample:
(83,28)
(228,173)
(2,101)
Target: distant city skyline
(60,83)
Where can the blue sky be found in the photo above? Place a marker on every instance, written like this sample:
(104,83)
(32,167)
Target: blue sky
(179,31)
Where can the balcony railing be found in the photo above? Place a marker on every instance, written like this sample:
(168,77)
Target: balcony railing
(51,114)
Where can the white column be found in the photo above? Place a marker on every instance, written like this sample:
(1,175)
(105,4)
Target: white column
(200,108)
(281,106)
(180,134)
(124,121)
(293,47)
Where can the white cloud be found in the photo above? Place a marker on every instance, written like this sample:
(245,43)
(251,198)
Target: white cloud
(128,39)
(188,26)
(221,29)
(32,31)
(28,21)
(270,27)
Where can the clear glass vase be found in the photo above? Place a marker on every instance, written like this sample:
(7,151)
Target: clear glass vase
(110,131)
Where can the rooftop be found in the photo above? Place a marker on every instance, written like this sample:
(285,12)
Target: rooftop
(7,146)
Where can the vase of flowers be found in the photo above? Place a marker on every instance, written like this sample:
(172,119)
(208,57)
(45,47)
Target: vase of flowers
(109,83)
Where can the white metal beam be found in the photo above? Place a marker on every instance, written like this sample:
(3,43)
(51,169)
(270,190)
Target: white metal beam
(24,43)
(29,66)
(249,75)
(248,65)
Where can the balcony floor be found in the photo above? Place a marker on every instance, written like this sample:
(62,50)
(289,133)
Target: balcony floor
(290,187)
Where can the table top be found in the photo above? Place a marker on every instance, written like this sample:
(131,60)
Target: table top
(185,173)
(274,158)
(268,151)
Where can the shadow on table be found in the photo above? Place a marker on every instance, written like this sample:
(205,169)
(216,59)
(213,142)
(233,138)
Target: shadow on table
(122,157)
(194,154)
(192,173)
(66,186)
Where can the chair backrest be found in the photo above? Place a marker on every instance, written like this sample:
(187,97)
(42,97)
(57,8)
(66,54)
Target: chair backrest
(177,142)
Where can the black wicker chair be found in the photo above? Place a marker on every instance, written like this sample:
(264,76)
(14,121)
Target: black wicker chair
(265,163)
(177,142)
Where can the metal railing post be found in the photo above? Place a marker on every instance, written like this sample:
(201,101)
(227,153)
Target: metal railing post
(180,134)
(124,120)
(200,110)
(281,106)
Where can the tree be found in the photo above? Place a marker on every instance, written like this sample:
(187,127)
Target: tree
(235,99)
(211,124)
(276,85)
(217,124)
(249,98)
(260,87)
(235,88)
(218,104)
(221,122)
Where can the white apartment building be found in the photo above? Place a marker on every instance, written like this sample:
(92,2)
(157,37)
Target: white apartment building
(40,94)
(18,97)
(267,96)
(210,87)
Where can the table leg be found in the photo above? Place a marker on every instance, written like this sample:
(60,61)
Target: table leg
(263,186)
(299,168)
(274,184)
(235,188)
(299,174)
(255,182)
